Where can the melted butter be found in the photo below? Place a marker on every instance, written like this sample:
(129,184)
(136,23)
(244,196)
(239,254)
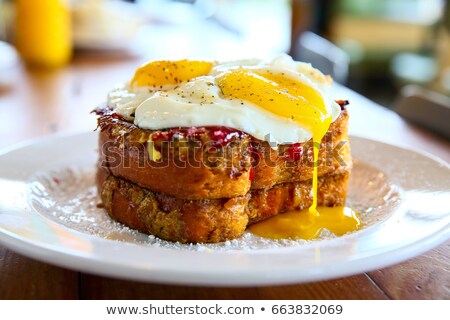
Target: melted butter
(153,154)
(300,224)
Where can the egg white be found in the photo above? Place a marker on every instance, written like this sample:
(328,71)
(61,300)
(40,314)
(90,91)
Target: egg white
(200,103)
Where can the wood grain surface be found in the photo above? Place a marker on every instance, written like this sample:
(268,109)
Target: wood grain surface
(41,103)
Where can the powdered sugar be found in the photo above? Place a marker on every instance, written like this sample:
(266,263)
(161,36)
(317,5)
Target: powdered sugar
(69,197)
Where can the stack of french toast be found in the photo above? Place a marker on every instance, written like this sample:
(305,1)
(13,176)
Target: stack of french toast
(207,184)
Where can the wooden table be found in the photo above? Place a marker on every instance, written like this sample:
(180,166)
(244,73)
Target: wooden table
(39,104)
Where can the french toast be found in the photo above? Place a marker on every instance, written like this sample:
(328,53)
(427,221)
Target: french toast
(196,151)
(195,165)
(209,220)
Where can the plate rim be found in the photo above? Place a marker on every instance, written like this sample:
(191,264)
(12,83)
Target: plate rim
(47,254)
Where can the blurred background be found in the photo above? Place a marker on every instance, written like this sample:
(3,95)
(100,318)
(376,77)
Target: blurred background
(395,52)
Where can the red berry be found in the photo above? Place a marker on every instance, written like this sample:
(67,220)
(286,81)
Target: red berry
(295,152)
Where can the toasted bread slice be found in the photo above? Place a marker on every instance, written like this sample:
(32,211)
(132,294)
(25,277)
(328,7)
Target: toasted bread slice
(210,220)
(212,163)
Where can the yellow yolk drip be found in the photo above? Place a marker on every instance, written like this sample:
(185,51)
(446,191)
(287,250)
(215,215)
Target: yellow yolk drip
(284,97)
(153,154)
(165,72)
(302,225)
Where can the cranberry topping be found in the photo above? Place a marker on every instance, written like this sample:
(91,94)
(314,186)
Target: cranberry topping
(294,152)
(163,135)
(251,174)
(195,132)
(222,135)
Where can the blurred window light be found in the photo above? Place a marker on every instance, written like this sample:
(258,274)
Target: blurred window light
(412,11)
(225,29)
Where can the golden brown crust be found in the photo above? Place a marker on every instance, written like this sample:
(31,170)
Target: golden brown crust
(214,220)
(265,203)
(171,218)
(334,157)
(187,171)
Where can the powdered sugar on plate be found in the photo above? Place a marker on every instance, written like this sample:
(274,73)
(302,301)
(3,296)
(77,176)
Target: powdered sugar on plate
(69,197)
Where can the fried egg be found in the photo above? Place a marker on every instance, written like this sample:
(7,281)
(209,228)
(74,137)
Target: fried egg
(281,101)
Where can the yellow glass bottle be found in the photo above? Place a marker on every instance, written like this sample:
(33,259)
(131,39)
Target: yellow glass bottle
(43,32)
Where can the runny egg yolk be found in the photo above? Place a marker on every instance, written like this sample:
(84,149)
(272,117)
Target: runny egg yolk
(284,97)
(300,224)
(165,72)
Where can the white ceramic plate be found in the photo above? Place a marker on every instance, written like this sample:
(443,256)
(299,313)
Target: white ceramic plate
(48,212)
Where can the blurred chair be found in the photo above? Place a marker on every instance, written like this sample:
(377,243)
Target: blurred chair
(425,107)
(323,55)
